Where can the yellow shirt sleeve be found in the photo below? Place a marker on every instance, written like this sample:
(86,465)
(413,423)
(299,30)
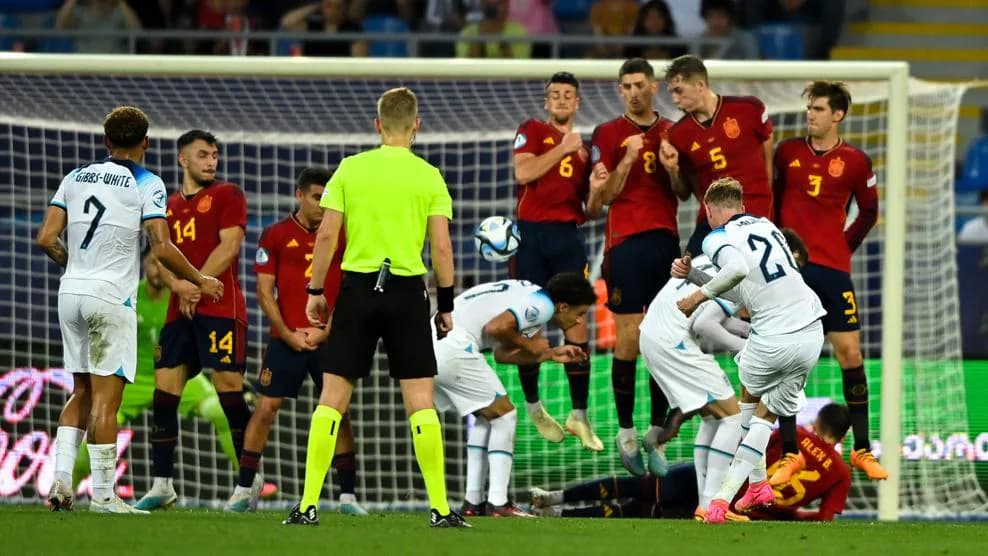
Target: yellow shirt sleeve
(441,203)
(332,196)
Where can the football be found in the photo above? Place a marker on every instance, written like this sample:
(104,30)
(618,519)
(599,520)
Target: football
(497,238)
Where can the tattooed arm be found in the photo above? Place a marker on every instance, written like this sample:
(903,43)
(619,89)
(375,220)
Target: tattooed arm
(48,235)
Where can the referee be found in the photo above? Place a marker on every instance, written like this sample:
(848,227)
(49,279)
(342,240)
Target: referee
(386,200)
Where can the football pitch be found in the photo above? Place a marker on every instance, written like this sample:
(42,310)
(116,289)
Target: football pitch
(33,530)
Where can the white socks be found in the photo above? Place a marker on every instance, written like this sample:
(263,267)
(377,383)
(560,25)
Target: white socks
(67,441)
(500,454)
(701,448)
(723,448)
(534,407)
(103,460)
(477,460)
(749,453)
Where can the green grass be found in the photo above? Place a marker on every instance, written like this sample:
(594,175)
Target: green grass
(32,530)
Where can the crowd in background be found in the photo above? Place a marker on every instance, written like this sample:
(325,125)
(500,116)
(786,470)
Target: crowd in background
(747,29)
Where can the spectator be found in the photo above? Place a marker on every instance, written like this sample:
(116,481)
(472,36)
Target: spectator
(612,18)
(447,16)
(721,19)
(98,15)
(402,9)
(450,16)
(539,21)
(329,17)
(654,20)
(227,15)
(975,230)
(819,20)
(153,14)
(495,22)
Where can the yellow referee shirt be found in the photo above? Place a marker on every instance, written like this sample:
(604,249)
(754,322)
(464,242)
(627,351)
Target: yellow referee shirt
(386,196)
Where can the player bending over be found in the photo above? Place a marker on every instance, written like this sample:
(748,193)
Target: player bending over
(104,206)
(786,334)
(296,349)
(826,479)
(508,317)
(691,379)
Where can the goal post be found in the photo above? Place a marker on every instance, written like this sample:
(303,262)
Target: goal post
(264,128)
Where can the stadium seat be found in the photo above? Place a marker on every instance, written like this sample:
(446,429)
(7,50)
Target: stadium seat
(779,41)
(384,24)
(571,10)
(55,44)
(8,22)
(975,175)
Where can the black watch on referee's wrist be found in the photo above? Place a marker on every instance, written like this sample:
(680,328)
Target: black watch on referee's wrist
(313,291)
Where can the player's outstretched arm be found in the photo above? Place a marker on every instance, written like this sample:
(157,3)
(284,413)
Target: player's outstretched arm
(165,252)
(48,235)
(327,238)
(441,247)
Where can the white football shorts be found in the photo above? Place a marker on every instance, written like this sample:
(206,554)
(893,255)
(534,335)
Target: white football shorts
(689,377)
(464,381)
(775,368)
(98,337)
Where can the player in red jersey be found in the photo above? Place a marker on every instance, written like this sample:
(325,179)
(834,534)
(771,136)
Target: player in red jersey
(815,178)
(296,349)
(551,166)
(207,219)
(720,136)
(826,479)
(640,244)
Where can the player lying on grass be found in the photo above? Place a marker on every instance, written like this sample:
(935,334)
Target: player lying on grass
(691,379)
(826,478)
(508,317)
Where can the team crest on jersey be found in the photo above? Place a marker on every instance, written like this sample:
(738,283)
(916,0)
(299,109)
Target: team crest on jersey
(205,204)
(732,129)
(262,257)
(836,167)
(695,146)
(531,314)
(794,164)
(520,140)
(264,377)
(292,243)
(548,141)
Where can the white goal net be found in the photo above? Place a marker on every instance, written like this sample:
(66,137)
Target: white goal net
(272,126)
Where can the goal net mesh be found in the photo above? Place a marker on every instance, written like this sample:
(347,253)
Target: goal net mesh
(271,128)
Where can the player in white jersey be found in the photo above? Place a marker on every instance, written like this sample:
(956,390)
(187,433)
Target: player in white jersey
(104,206)
(508,318)
(691,378)
(786,334)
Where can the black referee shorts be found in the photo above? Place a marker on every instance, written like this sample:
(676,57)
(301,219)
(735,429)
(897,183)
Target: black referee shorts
(399,316)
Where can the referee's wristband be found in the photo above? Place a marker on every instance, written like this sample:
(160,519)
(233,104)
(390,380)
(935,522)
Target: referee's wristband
(313,291)
(444,299)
